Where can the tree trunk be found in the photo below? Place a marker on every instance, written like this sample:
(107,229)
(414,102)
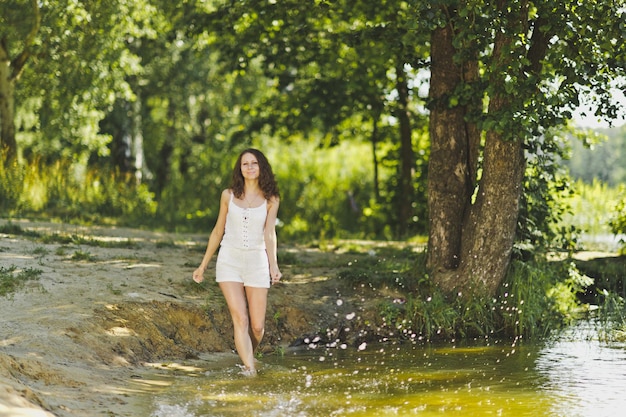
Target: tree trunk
(8,144)
(470,243)
(405,198)
(489,232)
(10,71)
(449,184)
(374,140)
(137,142)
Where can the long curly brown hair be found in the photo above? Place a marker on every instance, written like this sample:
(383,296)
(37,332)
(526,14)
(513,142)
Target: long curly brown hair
(267,182)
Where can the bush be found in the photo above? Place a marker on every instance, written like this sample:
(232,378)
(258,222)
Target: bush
(618,223)
(11,184)
(72,192)
(535,299)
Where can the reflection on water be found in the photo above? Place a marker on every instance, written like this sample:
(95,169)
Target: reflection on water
(573,376)
(588,378)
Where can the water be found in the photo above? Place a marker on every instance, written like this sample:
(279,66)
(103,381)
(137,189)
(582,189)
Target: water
(574,375)
(587,377)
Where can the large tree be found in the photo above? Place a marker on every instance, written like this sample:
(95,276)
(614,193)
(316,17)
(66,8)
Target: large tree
(502,74)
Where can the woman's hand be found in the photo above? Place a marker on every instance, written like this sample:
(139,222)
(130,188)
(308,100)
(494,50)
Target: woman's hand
(198,275)
(276,275)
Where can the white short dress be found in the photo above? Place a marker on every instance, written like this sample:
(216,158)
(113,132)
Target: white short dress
(242,256)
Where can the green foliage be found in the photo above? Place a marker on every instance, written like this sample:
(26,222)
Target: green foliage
(327,193)
(431,317)
(612,318)
(553,55)
(609,274)
(64,239)
(12,279)
(80,255)
(327,61)
(11,228)
(11,184)
(67,191)
(566,292)
(599,156)
(598,203)
(535,299)
(379,269)
(608,292)
(618,222)
(287,258)
(595,209)
(82,59)
(16,20)
(198,89)
(331,74)
(546,196)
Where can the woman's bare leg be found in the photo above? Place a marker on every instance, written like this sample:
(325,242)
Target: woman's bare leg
(257,306)
(235,296)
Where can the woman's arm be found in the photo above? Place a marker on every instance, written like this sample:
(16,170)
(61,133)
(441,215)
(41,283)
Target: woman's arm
(270,239)
(215,238)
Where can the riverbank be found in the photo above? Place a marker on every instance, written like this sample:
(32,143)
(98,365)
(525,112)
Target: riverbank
(108,305)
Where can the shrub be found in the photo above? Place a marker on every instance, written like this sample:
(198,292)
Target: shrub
(618,223)
(11,184)
(536,298)
(69,191)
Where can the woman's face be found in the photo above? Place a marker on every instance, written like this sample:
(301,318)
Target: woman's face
(249,166)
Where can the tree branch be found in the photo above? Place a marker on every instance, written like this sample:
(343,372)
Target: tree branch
(538,47)
(17,65)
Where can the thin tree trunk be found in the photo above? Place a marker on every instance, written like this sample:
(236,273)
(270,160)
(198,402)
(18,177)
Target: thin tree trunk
(8,144)
(405,200)
(10,71)
(375,158)
(137,142)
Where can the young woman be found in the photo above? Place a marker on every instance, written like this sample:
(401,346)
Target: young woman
(245,232)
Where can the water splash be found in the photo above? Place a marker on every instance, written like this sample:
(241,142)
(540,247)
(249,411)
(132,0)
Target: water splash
(166,410)
(487,377)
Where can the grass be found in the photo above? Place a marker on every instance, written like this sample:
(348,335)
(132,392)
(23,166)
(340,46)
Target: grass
(392,267)
(609,275)
(65,239)
(40,251)
(12,279)
(164,244)
(80,255)
(536,297)
(15,229)
(113,290)
(287,258)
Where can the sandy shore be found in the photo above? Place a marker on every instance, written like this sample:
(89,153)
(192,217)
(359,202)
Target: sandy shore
(109,304)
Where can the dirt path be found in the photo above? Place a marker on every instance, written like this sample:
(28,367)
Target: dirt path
(111,302)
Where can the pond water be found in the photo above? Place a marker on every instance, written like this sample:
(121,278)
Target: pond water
(572,375)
